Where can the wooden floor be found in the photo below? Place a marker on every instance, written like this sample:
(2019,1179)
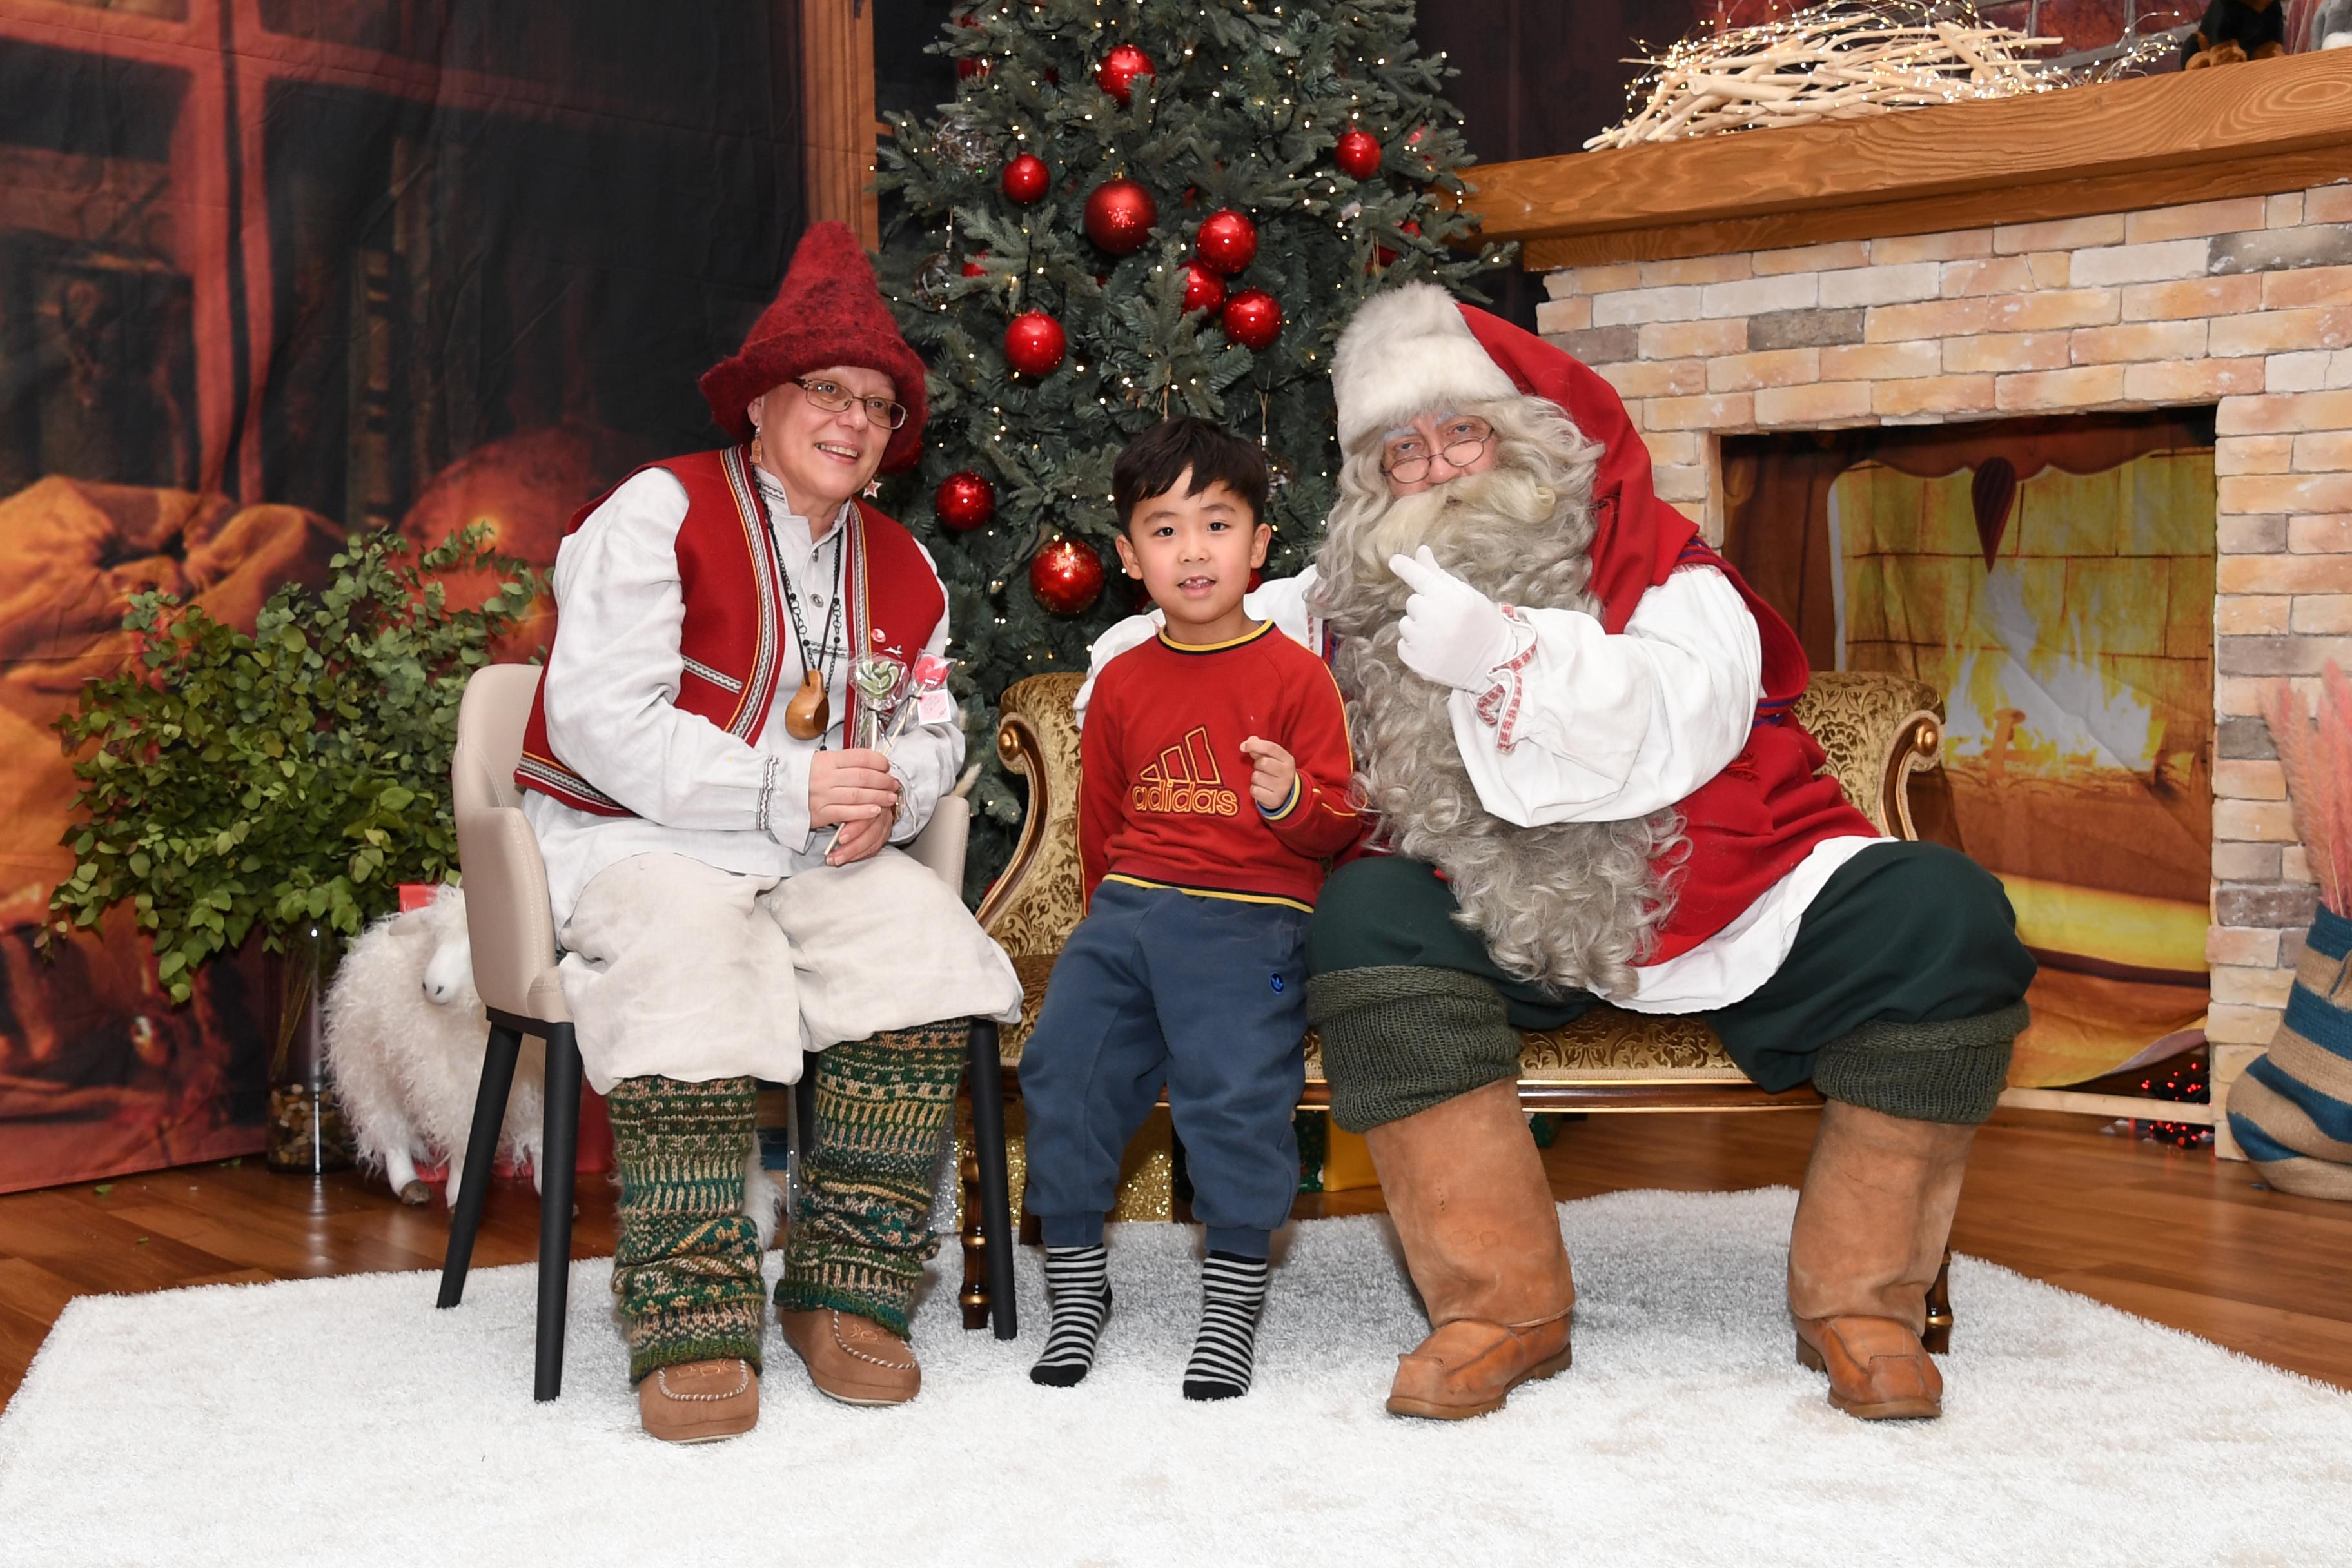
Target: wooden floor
(2179,1238)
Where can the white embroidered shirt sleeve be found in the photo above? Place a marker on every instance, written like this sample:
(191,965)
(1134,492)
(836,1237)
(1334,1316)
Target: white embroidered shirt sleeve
(612,678)
(1580,726)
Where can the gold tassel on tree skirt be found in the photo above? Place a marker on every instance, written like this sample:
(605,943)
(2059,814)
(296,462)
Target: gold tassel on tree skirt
(1842,61)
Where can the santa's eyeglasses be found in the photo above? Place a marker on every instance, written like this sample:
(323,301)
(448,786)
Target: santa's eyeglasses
(834,398)
(1408,458)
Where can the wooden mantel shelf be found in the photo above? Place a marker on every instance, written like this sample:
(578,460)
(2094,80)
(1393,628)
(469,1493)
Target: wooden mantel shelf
(2256,127)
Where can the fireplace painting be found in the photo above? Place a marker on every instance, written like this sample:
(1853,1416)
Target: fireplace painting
(2054,579)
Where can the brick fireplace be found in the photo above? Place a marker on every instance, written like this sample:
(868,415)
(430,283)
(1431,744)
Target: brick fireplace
(1717,319)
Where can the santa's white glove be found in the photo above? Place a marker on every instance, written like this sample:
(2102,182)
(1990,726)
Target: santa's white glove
(1453,634)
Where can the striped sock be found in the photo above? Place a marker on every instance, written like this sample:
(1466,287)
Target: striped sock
(1078,1280)
(1232,1290)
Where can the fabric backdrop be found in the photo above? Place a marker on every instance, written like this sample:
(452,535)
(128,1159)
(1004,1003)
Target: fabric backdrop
(274,269)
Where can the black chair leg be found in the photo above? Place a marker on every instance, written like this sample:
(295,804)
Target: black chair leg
(481,1154)
(559,1157)
(995,1197)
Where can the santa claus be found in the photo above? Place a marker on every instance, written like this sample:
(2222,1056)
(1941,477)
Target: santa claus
(1573,720)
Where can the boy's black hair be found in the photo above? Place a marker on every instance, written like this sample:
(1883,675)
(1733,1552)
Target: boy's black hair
(1151,464)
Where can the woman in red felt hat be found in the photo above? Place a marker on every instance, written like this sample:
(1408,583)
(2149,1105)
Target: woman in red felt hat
(723,866)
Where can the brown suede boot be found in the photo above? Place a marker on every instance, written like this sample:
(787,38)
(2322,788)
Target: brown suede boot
(851,1359)
(1867,1243)
(1466,1189)
(700,1401)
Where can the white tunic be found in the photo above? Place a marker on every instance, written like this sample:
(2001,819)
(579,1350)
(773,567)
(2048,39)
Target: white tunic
(1610,727)
(612,684)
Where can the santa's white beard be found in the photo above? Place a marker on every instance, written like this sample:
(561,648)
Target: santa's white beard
(1571,906)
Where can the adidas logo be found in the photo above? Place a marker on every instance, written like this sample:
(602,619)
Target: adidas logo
(1184,782)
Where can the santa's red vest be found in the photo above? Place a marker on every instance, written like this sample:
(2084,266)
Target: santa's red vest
(736,633)
(1749,825)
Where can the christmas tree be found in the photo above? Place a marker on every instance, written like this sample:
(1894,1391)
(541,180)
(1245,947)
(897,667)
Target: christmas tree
(1134,209)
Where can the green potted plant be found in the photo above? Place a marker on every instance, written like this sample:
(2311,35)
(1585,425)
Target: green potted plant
(283,782)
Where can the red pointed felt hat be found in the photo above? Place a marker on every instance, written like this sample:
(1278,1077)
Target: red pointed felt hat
(829,312)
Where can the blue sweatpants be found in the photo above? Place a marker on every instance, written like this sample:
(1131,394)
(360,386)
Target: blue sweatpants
(1207,995)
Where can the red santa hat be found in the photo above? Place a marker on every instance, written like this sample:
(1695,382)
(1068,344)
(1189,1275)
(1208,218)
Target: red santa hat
(1416,350)
(829,312)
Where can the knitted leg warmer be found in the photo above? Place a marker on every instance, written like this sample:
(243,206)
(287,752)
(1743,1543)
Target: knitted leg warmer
(1400,1038)
(686,1266)
(862,1234)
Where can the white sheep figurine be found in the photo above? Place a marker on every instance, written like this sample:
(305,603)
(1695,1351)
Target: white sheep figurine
(405,1036)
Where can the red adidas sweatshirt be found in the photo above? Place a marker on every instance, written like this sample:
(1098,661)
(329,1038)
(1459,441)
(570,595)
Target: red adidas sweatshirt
(1165,800)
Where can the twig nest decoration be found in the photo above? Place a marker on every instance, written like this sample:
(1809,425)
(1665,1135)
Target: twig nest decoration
(1843,60)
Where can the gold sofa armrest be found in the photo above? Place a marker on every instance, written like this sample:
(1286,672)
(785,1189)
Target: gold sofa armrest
(1878,730)
(1035,904)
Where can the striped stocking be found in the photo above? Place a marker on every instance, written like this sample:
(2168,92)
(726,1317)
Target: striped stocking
(1233,1291)
(1078,1280)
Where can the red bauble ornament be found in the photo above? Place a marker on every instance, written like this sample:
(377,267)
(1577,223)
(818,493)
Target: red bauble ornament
(1066,576)
(1227,241)
(973,268)
(970,66)
(1358,153)
(1025,178)
(1203,290)
(1119,215)
(1383,256)
(965,501)
(1253,319)
(1120,69)
(1034,343)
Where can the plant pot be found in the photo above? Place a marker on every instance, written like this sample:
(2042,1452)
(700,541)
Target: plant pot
(306,1130)
(2288,1110)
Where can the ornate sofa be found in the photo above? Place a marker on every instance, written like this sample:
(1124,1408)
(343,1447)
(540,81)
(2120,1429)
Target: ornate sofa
(1878,730)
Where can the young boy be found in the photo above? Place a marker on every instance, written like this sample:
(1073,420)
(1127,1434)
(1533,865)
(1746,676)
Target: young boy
(1189,965)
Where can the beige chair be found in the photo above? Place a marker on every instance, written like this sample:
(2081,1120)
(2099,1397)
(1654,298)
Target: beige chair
(512,931)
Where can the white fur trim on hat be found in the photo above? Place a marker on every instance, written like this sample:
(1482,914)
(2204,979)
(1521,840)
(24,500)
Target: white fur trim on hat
(1407,352)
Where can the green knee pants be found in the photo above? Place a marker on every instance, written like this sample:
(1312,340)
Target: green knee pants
(1902,992)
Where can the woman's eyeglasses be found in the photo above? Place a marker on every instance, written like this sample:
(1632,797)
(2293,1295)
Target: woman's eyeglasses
(833,398)
(1408,458)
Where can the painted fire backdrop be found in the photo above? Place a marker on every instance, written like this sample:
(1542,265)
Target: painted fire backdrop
(2054,579)
(275,269)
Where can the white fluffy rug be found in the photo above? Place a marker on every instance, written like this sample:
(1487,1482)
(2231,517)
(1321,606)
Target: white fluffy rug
(345,1420)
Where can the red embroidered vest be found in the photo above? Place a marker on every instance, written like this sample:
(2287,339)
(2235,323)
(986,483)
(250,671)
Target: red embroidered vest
(736,630)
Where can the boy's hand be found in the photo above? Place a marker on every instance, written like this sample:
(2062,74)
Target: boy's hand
(1272,773)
